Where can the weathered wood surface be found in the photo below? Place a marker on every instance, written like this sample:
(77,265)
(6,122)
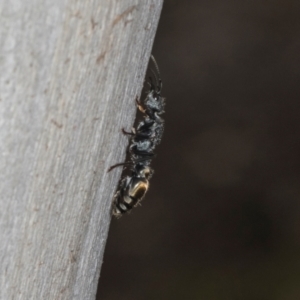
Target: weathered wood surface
(70,71)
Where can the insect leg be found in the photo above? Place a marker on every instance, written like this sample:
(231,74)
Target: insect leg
(139,106)
(128,133)
(128,163)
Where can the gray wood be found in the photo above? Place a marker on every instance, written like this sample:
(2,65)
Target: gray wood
(70,71)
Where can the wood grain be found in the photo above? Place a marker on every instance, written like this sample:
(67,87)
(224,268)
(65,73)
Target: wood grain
(70,71)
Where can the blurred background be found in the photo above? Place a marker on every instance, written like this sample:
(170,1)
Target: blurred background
(221,219)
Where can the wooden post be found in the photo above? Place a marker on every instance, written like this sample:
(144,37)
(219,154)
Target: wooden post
(70,72)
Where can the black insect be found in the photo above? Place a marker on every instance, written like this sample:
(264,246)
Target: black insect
(144,139)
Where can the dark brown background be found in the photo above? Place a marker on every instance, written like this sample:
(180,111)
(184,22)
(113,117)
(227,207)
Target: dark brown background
(221,220)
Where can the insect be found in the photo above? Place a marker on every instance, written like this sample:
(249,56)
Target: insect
(143,141)
(132,189)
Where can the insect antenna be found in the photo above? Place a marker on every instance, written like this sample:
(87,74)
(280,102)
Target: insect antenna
(151,84)
(159,81)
